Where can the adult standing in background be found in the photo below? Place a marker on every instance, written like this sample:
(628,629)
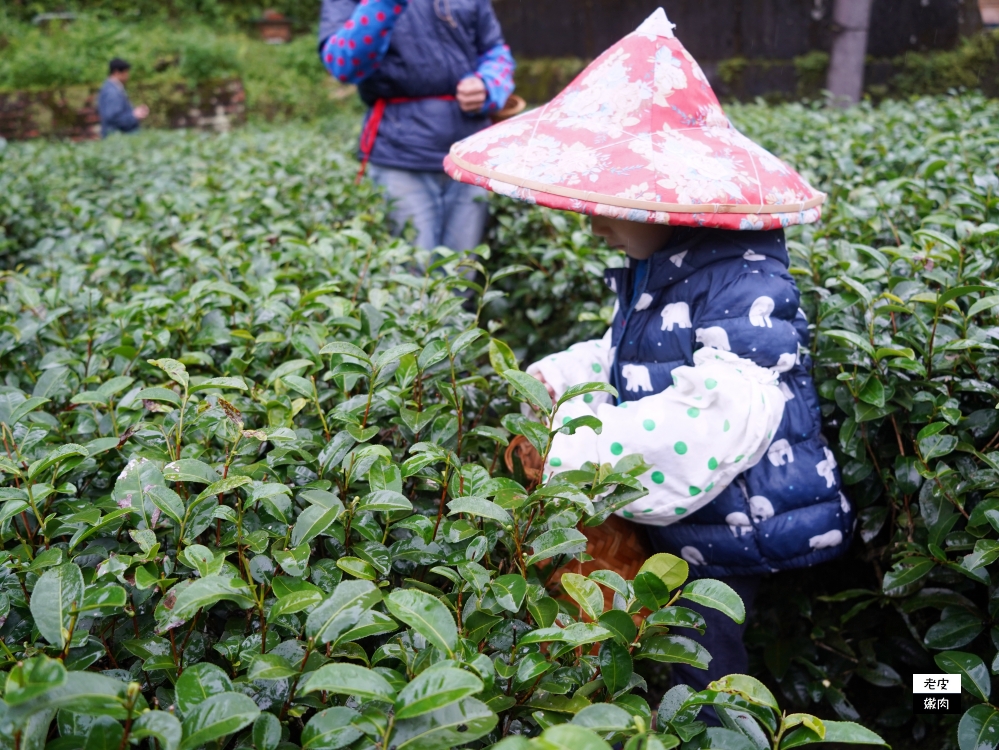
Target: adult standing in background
(116,111)
(431,73)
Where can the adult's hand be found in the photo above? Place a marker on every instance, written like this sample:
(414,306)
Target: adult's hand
(471,94)
(141,112)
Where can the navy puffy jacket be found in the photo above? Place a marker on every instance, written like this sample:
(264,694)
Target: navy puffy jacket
(787,511)
(427,57)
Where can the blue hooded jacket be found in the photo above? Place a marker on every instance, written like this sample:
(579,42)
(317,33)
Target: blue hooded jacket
(787,511)
(427,57)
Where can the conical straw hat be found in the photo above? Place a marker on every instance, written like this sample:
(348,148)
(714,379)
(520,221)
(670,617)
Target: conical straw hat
(638,135)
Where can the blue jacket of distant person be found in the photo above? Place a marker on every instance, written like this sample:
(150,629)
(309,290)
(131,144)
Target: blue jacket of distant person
(115,109)
(417,50)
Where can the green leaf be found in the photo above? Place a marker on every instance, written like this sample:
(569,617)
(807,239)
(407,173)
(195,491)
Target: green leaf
(57,593)
(974,674)
(978,728)
(168,502)
(190,470)
(603,718)
(198,683)
(501,357)
(671,569)
(845,732)
(158,394)
(904,574)
(385,501)
(270,667)
(296,601)
(174,369)
(433,689)
(456,724)
(677,617)
(530,389)
(350,679)
(205,592)
(559,541)
(585,593)
(312,522)
(25,407)
(936,446)
(717,595)
(674,649)
(748,688)
(341,611)
(478,506)
(266,732)
(584,388)
(58,456)
(425,614)
(218,716)
(853,339)
(616,665)
(509,591)
(343,347)
(330,729)
(160,725)
(569,737)
(236,383)
(32,677)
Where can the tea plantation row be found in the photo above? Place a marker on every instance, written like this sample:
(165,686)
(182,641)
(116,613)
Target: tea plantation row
(253,491)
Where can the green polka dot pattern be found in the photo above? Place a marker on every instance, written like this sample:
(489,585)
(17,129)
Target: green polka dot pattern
(693,412)
(596,367)
(657,477)
(556,462)
(588,398)
(680,447)
(617,449)
(649,425)
(712,463)
(710,383)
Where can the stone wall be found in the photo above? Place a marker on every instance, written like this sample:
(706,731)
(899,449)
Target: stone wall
(71,112)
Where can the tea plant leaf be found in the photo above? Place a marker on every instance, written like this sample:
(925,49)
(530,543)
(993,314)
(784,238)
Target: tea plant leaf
(530,389)
(350,679)
(330,729)
(716,595)
(341,610)
(434,689)
(218,716)
(58,592)
(425,614)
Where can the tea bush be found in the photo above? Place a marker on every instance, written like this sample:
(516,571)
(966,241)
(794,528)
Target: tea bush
(253,492)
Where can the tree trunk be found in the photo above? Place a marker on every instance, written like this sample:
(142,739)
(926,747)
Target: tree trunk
(849,48)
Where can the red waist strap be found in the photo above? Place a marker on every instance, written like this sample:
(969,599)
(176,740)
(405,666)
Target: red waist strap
(370,132)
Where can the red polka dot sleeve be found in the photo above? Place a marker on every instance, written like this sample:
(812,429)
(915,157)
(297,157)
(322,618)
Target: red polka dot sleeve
(355,51)
(495,69)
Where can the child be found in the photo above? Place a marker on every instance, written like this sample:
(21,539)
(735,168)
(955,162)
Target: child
(705,346)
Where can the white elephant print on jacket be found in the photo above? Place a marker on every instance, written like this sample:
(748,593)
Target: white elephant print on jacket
(676,314)
(826,468)
(759,312)
(714,336)
(636,378)
(780,452)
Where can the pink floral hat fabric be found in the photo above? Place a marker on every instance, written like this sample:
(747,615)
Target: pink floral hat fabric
(638,135)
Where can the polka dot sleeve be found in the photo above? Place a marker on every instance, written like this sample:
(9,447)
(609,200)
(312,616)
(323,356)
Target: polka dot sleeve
(495,69)
(355,51)
(716,421)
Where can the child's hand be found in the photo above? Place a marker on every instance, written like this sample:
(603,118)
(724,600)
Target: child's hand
(541,379)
